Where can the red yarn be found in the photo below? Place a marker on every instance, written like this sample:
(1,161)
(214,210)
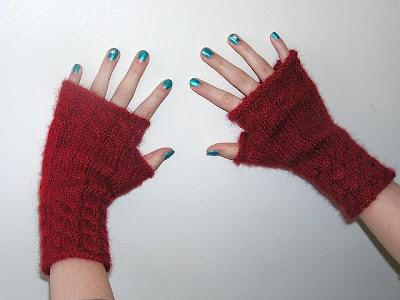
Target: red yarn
(288,126)
(90,159)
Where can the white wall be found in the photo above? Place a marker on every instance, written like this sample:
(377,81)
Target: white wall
(203,228)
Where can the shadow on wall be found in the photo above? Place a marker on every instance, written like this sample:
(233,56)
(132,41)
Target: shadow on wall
(45,278)
(389,259)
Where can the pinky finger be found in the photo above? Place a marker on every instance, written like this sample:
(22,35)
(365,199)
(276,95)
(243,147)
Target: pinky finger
(76,74)
(227,150)
(279,46)
(157,157)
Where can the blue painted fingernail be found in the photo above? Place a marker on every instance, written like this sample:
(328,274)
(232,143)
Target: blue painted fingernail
(194,82)
(275,36)
(169,154)
(113,53)
(167,84)
(143,54)
(234,38)
(207,52)
(212,153)
(75,68)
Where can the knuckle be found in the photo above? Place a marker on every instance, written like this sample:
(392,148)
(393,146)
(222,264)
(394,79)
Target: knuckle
(124,94)
(265,71)
(145,110)
(253,86)
(226,100)
(242,79)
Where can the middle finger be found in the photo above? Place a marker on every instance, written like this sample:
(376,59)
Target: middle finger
(258,64)
(126,89)
(100,83)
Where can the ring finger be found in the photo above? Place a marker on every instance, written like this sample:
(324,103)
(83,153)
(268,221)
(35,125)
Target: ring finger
(237,77)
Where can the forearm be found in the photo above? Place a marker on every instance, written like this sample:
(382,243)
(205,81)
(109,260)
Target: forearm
(383,219)
(89,160)
(76,278)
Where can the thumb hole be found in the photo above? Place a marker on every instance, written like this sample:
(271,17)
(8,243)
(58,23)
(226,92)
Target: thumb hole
(227,150)
(157,157)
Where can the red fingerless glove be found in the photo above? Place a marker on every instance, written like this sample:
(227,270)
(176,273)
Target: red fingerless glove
(288,126)
(90,159)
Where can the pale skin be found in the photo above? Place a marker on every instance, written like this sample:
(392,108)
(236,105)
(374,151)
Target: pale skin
(83,279)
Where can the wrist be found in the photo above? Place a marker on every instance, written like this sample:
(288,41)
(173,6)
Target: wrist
(344,171)
(73,227)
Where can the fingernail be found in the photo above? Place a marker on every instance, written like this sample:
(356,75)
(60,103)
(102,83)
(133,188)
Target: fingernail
(275,36)
(207,52)
(75,68)
(113,53)
(234,38)
(169,154)
(167,84)
(212,153)
(143,54)
(194,82)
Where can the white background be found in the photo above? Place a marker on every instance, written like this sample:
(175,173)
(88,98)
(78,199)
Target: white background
(203,228)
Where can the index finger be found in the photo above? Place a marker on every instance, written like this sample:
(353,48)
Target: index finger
(148,107)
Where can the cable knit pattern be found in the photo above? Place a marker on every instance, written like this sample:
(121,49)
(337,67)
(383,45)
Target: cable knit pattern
(288,126)
(90,159)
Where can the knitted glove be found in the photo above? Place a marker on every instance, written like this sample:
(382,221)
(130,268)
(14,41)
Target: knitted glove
(288,126)
(90,159)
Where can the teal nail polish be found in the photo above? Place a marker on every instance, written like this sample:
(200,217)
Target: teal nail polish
(113,53)
(207,52)
(143,54)
(76,68)
(169,154)
(212,153)
(194,82)
(234,38)
(167,84)
(275,36)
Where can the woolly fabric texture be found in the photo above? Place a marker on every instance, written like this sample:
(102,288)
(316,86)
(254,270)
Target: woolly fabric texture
(90,159)
(288,126)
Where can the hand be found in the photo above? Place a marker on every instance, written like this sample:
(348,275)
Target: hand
(91,158)
(287,125)
(238,78)
(303,137)
(126,90)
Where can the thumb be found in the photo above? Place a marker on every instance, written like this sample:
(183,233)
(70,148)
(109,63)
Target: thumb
(157,157)
(227,150)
